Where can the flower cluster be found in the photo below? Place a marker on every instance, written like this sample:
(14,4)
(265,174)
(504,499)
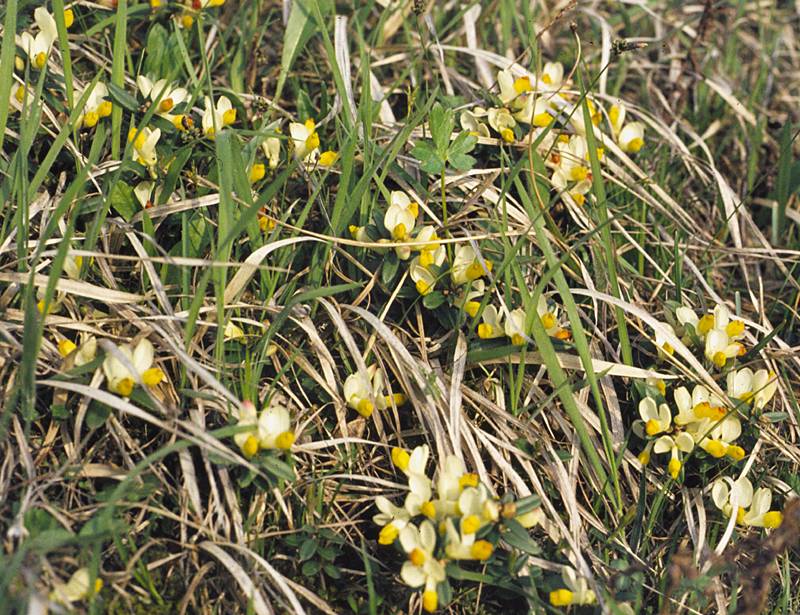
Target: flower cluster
(445,518)
(709,421)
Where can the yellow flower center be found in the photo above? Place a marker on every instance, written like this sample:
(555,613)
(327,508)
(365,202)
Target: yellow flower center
(634,145)
(644,457)
(578,174)
(674,467)
(517,339)
(388,534)
(548,320)
(485,331)
(667,347)
(39,60)
(735,452)
(428,509)
(104,108)
(285,440)
(187,21)
(426,258)
(561,597)
(327,159)
(471,524)
(90,119)
(20,93)
(522,84)
(125,387)
(65,347)
(652,427)
(69,18)
(773,519)
(152,376)
(423,288)
(507,134)
(401,458)
(365,408)
(399,232)
(166,105)
(613,114)
(250,446)
(413,207)
(481,550)
(229,117)
(734,328)
(542,119)
(257,172)
(740,514)
(562,334)
(715,448)
(472,307)
(719,359)
(182,122)
(547,79)
(705,324)
(430,600)
(468,480)
(417,556)
(474,271)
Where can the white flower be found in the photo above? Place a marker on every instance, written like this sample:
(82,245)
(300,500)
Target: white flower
(717,437)
(515,326)
(216,117)
(719,347)
(306,140)
(96,106)
(271,146)
(631,137)
(145,193)
(552,76)
(452,479)
(477,508)
(535,110)
(144,146)
(682,442)
(572,162)
(729,495)
(467,267)
(470,121)
(757,387)
(423,278)
(492,325)
(38,47)
(422,568)
(360,391)
(549,318)
(400,221)
(413,463)
(576,592)
(686,316)
(167,95)
(462,545)
(275,428)
(83,354)
(391,518)
(701,404)
(120,379)
(506,83)
(247,439)
(502,122)
(657,419)
(76,589)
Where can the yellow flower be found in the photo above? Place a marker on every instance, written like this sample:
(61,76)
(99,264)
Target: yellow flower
(306,140)
(257,172)
(165,95)
(96,107)
(577,590)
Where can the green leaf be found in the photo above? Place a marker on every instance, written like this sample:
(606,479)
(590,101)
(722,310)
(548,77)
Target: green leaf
(390,266)
(277,467)
(156,46)
(518,537)
(433,300)
(461,162)
(123,200)
(309,569)
(122,98)
(97,414)
(307,549)
(441,123)
(332,571)
(462,144)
